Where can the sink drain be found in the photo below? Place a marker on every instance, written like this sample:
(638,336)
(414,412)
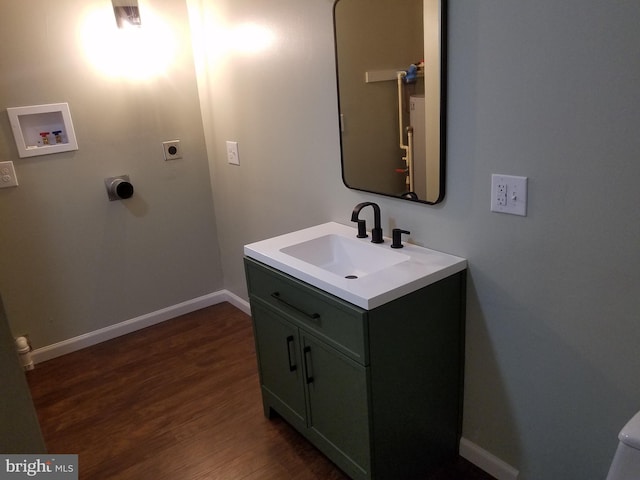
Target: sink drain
(351,277)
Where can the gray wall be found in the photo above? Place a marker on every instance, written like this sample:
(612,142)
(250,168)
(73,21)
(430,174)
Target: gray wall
(543,89)
(73,262)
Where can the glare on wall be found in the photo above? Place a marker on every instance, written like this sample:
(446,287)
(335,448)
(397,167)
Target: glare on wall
(139,53)
(250,38)
(215,38)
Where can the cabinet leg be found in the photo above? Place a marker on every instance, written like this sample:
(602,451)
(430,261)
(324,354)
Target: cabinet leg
(268,411)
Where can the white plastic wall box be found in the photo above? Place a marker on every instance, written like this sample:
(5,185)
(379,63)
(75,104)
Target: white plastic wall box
(28,123)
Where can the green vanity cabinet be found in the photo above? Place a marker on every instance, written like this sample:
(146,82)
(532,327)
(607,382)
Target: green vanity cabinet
(377,391)
(277,342)
(317,389)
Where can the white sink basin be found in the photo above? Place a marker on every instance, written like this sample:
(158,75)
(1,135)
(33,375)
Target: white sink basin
(330,257)
(347,257)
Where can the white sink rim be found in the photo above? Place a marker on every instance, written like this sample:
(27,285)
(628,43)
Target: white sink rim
(421,268)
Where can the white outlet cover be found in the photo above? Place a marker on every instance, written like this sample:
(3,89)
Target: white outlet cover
(172,150)
(516,194)
(8,175)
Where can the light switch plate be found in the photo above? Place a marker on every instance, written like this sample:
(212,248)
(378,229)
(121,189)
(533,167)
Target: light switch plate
(232,153)
(509,194)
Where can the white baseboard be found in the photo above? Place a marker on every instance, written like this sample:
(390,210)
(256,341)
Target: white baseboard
(138,323)
(487,461)
(238,302)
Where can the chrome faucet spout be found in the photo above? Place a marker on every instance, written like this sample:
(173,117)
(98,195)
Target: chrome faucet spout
(376,231)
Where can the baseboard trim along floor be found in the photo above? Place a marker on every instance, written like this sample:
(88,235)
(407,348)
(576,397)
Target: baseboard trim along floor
(487,461)
(92,338)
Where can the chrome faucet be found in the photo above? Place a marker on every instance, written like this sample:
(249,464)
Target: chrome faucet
(376,231)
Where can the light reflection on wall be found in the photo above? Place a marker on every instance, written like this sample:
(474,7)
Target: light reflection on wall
(215,38)
(250,38)
(135,53)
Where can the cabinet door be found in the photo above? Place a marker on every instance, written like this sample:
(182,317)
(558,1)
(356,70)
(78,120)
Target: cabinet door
(278,346)
(339,410)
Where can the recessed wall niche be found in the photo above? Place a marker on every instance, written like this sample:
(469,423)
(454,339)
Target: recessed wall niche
(42,129)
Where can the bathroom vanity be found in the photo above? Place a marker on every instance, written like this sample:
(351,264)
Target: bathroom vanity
(377,387)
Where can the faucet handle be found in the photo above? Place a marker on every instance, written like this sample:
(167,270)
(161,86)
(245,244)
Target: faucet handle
(362,229)
(396,237)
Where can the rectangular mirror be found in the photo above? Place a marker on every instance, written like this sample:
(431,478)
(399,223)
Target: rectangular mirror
(390,59)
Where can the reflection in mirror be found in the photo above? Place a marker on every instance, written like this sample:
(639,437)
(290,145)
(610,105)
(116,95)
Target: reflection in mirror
(390,68)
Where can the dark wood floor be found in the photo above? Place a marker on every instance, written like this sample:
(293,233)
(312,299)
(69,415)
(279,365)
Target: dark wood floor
(177,401)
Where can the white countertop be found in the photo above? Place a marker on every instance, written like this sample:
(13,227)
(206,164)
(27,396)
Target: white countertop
(423,267)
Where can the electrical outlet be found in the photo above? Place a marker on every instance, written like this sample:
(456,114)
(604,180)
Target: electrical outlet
(172,150)
(501,194)
(232,153)
(509,194)
(8,175)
